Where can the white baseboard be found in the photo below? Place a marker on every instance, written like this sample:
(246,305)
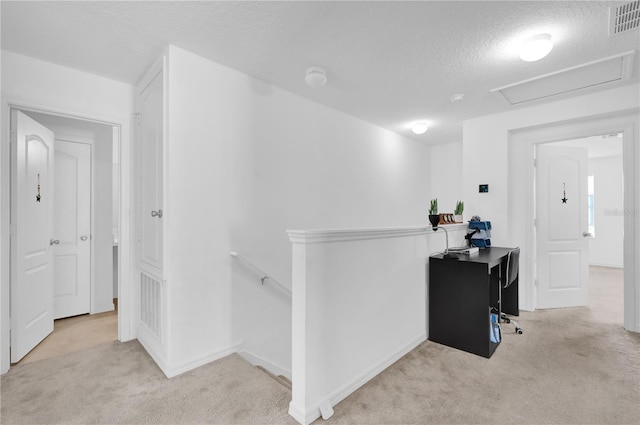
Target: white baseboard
(170,370)
(103,308)
(306,416)
(175,370)
(155,355)
(259,361)
(297,413)
(612,266)
(341,393)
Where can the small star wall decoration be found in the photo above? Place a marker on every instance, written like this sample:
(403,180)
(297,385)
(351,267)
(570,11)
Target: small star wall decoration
(38,194)
(564,193)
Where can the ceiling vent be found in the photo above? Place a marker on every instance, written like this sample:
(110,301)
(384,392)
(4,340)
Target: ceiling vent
(588,75)
(624,18)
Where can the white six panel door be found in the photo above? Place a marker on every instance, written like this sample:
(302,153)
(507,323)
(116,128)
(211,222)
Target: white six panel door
(563,249)
(32,155)
(72,228)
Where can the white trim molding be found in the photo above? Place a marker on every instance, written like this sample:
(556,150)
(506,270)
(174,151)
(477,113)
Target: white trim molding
(270,366)
(341,393)
(175,370)
(341,235)
(171,370)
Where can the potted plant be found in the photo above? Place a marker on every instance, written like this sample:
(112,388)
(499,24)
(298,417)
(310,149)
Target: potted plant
(457,213)
(434,218)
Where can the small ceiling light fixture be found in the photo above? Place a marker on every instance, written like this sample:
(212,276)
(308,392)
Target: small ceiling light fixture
(456,98)
(316,77)
(420,127)
(536,47)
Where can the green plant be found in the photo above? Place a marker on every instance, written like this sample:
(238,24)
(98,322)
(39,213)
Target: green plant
(459,208)
(433,210)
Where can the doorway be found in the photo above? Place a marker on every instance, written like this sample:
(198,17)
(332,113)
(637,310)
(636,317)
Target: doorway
(84,240)
(595,215)
(522,200)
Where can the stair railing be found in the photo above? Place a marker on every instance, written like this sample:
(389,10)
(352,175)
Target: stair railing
(260,271)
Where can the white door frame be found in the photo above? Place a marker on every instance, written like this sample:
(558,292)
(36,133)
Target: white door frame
(521,182)
(126,329)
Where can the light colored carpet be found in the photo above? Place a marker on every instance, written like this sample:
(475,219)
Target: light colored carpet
(564,369)
(118,383)
(571,366)
(74,334)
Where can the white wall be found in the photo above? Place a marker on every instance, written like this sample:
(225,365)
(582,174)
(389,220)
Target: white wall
(247,161)
(487,153)
(606,248)
(486,147)
(359,304)
(44,86)
(446,177)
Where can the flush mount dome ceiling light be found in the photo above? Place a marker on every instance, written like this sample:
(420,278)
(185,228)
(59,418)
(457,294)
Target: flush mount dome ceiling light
(316,77)
(420,127)
(536,47)
(457,98)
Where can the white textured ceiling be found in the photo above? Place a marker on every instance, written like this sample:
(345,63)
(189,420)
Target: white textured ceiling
(387,62)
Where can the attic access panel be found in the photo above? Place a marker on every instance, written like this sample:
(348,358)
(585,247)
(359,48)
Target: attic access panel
(608,70)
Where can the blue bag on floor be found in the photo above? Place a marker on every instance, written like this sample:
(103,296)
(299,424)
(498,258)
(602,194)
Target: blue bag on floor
(494,330)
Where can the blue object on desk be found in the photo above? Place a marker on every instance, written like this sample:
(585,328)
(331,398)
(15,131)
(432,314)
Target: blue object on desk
(482,237)
(482,225)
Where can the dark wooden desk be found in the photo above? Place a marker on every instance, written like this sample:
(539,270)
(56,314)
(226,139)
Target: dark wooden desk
(461,294)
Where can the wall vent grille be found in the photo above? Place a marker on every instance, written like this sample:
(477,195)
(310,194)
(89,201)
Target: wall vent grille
(624,18)
(151,302)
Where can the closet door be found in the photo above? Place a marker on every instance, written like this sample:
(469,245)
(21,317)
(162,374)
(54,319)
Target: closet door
(150,130)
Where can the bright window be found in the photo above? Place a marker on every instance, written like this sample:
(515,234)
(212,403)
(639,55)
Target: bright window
(590,203)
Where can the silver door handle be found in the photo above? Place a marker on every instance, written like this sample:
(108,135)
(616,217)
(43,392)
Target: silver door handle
(587,234)
(83,238)
(54,242)
(156,213)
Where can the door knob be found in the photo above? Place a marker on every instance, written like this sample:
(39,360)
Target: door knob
(83,238)
(54,242)
(587,234)
(156,213)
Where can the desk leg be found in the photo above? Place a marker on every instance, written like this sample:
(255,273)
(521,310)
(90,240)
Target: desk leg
(499,293)
(495,290)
